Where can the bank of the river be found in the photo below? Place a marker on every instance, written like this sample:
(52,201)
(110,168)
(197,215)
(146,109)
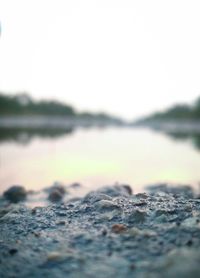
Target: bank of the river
(108,233)
(170,126)
(55,122)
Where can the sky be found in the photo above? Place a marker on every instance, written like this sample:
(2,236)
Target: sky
(128,58)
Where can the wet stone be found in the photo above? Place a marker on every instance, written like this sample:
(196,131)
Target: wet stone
(56,192)
(15,194)
(142,196)
(106,205)
(57,186)
(55,196)
(94,197)
(116,190)
(137,216)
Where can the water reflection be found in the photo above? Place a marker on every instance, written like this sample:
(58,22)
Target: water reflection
(181,132)
(194,138)
(95,157)
(24,136)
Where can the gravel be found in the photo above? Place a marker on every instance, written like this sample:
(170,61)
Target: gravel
(108,233)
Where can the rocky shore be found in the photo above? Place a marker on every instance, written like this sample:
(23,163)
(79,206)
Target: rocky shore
(110,232)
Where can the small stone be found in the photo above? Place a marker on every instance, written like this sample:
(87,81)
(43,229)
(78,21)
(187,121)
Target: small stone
(56,192)
(188,208)
(132,266)
(36,234)
(137,216)
(15,194)
(36,210)
(139,232)
(118,228)
(128,189)
(61,222)
(33,211)
(189,242)
(61,213)
(75,185)
(109,215)
(162,218)
(57,186)
(94,197)
(60,256)
(116,190)
(13,251)
(4,211)
(55,256)
(104,232)
(142,195)
(55,196)
(160,212)
(106,205)
(60,188)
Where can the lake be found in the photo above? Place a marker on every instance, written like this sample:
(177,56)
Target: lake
(97,156)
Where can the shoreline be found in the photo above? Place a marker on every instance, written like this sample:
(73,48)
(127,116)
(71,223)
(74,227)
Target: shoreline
(171,126)
(54,122)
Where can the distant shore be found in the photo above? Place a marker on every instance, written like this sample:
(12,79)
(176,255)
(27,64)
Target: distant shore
(63,122)
(179,126)
(54,122)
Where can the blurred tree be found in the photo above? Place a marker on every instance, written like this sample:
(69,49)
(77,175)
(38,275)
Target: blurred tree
(22,104)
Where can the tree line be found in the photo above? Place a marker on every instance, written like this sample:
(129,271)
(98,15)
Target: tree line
(23,105)
(177,112)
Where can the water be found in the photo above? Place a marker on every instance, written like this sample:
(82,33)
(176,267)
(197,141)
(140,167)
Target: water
(96,157)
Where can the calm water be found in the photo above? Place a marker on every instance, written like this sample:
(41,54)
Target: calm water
(96,157)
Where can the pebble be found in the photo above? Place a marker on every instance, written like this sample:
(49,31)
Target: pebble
(106,205)
(118,228)
(55,256)
(56,192)
(108,216)
(57,186)
(94,197)
(116,190)
(13,251)
(75,185)
(104,232)
(141,195)
(55,196)
(61,222)
(137,216)
(15,194)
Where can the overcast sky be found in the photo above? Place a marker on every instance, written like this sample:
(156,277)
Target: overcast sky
(124,57)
